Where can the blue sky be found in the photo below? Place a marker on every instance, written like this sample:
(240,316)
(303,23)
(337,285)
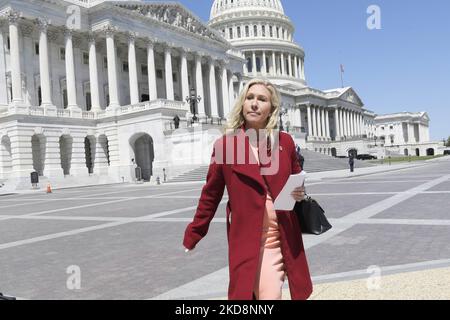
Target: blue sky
(405,66)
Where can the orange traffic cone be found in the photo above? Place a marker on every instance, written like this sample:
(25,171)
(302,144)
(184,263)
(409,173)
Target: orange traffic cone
(49,188)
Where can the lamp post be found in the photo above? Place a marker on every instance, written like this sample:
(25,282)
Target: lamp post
(283,111)
(193,99)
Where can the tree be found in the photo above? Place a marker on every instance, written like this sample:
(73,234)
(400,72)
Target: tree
(448,142)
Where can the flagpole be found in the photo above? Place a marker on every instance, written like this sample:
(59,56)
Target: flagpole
(342,78)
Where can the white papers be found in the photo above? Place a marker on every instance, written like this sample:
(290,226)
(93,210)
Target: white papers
(285,201)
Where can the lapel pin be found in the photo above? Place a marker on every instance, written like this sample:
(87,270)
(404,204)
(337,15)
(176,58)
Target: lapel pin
(281,148)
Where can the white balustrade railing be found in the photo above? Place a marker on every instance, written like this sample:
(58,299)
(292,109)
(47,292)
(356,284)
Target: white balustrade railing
(92,115)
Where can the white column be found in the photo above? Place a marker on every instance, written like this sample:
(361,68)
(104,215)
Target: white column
(327,125)
(70,72)
(132,69)
(225,92)
(53,167)
(212,89)
(3,86)
(199,84)
(283,65)
(152,90)
(112,67)
(342,122)
(352,123)
(263,64)
(245,65)
(297,117)
(291,74)
(101,160)
(169,77)
(184,76)
(78,162)
(16,76)
(303,69)
(336,123)
(44,71)
(310,131)
(93,74)
(21,154)
(322,119)
(347,123)
(254,69)
(273,71)
(230,92)
(314,123)
(296,66)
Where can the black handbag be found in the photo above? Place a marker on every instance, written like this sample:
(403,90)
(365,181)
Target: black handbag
(311,217)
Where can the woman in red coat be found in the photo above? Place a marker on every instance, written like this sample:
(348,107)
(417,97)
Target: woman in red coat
(254,163)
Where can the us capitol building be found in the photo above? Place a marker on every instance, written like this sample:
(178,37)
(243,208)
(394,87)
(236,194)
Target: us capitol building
(90,88)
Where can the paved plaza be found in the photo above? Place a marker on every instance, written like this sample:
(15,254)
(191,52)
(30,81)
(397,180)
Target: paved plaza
(390,239)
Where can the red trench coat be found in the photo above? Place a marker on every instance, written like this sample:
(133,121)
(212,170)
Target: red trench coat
(247,199)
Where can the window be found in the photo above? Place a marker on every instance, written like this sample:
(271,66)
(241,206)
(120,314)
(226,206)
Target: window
(231,33)
(88,101)
(174,77)
(278,32)
(62,54)
(159,74)
(8,44)
(144,70)
(105,62)
(124,66)
(247,31)
(271,31)
(382,128)
(39,96)
(86,58)
(36,48)
(255,31)
(391,127)
(65,98)
(263,31)
(238,32)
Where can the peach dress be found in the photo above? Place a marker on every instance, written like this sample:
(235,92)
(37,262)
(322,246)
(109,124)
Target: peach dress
(271,271)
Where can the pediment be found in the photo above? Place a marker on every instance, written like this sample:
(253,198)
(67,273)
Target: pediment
(175,15)
(351,96)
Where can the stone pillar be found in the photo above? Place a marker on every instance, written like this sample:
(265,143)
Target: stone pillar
(273,70)
(3,86)
(44,71)
(78,163)
(225,92)
(263,64)
(184,76)
(352,123)
(14,40)
(21,154)
(132,69)
(310,131)
(70,72)
(291,73)
(296,67)
(199,85)
(169,76)
(152,91)
(303,69)
(93,74)
(52,167)
(112,67)
(327,125)
(283,65)
(212,89)
(230,91)
(254,68)
(314,122)
(322,119)
(336,124)
(101,160)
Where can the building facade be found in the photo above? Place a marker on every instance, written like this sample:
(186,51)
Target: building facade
(89,88)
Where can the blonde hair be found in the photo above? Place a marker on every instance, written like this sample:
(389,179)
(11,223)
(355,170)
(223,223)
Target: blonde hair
(236,117)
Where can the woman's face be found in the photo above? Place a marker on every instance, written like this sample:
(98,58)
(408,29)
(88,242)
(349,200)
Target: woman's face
(257,107)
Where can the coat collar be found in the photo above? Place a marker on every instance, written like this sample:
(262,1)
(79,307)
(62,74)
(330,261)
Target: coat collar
(250,168)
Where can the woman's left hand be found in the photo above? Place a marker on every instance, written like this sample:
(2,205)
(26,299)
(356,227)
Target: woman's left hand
(299,193)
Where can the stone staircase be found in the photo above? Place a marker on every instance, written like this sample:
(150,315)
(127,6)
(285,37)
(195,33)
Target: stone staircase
(319,162)
(314,162)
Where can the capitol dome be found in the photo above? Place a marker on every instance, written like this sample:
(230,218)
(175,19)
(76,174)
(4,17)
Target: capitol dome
(262,32)
(220,7)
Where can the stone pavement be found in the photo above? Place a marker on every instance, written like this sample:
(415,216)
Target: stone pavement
(389,240)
